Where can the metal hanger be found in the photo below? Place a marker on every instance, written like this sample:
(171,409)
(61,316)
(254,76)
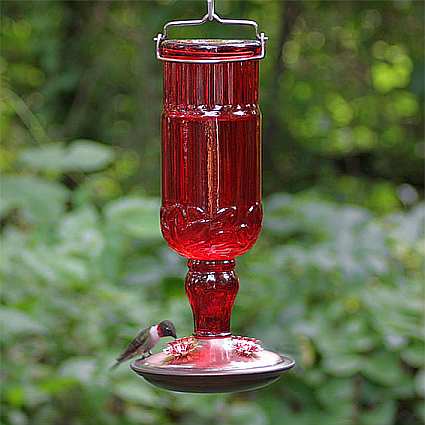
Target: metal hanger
(208,17)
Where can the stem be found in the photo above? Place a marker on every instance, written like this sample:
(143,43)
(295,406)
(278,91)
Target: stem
(211,287)
(31,122)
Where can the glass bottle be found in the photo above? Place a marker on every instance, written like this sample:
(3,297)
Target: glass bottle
(211,168)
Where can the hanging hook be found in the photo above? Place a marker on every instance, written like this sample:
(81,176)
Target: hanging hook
(211,16)
(211,11)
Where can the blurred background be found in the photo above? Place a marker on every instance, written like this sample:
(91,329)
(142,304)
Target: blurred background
(336,279)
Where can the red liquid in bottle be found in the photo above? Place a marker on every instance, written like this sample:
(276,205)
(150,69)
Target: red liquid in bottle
(211,150)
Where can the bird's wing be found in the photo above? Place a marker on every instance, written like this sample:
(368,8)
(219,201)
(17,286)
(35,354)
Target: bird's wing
(134,346)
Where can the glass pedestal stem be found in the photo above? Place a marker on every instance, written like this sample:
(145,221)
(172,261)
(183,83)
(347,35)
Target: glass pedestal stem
(211,287)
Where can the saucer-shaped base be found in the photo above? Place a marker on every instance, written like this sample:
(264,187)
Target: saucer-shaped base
(213,365)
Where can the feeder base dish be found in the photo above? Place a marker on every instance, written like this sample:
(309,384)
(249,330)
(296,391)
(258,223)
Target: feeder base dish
(216,365)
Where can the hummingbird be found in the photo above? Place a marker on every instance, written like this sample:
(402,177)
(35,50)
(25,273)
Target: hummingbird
(145,340)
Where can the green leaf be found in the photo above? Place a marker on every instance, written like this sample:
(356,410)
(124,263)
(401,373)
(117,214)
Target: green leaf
(414,354)
(336,392)
(14,322)
(383,368)
(241,413)
(420,410)
(81,234)
(80,155)
(138,217)
(38,200)
(57,384)
(81,369)
(382,413)
(15,395)
(342,364)
(420,383)
(132,391)
(47,157)
(145,416)
(86,155)
(16,417)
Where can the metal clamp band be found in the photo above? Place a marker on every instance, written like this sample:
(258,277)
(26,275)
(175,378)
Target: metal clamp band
(210,16)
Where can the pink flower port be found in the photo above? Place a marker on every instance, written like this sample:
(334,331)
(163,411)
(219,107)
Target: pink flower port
(245,346)
(181,347)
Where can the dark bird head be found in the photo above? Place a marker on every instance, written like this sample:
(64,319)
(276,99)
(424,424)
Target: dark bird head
(166,328)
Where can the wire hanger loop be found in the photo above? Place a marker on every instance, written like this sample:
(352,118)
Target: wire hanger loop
(209,17)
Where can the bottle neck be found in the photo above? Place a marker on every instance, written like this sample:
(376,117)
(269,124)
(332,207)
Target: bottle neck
(205,266)
(211,287)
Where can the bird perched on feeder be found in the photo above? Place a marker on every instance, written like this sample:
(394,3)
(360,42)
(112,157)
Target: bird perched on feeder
(145,340)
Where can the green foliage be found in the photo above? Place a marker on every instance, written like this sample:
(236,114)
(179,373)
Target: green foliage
(336,279)
(342,88)
(335,287)
(136,217)
(80,155)
(30,194)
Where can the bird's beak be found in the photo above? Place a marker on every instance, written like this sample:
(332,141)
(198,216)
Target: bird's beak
(174,335)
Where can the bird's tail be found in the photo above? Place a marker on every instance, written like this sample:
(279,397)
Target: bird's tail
(119,360)
(115,365)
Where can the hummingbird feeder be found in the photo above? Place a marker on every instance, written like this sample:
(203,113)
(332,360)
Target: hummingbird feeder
(211,204)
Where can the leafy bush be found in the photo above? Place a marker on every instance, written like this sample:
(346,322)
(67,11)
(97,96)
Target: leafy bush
(334,286)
